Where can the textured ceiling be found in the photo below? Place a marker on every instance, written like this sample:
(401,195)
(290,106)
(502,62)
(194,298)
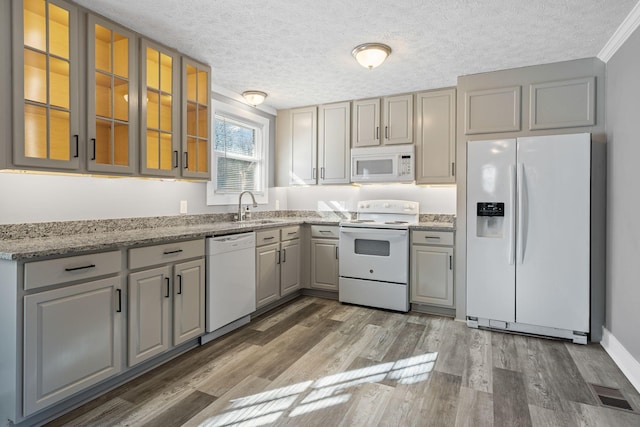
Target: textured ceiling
(299,51)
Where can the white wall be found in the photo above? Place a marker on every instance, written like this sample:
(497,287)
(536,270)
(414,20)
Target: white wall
(30,197)
(433,199)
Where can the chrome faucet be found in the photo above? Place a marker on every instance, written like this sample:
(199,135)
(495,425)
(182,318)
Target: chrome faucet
(240,213)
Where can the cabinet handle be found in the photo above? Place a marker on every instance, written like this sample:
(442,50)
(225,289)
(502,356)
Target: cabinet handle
(186,160)
(93,145)
(284,255)
(453,169)
(291,233)
(75,137)
(175,157)
(450,262)
(278,260)
(80,268)
(172,252)
(386,132)
(179,284)
(268,238)
(119,291)
(168,290)
(322,172)
(432,237)
(337,252)
(377,132)
(313,173)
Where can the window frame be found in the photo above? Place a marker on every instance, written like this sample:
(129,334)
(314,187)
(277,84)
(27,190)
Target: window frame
(246,118)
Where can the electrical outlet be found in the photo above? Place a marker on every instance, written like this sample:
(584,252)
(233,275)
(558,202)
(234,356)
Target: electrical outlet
(183,207)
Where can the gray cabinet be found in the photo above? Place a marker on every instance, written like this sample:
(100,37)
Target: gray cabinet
(436,136)
(492,110)
(366,122)
(166,302)
(72,340)
(334,136)
(112,97)
(277,264)
(196,119)
(46,114)
(562,104)
(324,257)
(304,146)
(148,297)
(432,268)
(397,119)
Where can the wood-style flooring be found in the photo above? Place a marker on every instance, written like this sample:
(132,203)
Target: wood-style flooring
(317,362)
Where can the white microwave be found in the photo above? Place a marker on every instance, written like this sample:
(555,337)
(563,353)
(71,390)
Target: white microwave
(383,164)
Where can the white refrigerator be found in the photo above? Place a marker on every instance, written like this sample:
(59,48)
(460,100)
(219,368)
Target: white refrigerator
(528,235)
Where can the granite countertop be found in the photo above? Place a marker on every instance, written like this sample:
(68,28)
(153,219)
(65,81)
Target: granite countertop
(76,243)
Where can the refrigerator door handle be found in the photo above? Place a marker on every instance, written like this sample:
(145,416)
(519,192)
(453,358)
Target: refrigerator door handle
(511,255)
(520,238)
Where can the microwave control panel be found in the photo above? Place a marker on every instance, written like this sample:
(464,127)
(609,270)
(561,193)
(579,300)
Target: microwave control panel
(405,166)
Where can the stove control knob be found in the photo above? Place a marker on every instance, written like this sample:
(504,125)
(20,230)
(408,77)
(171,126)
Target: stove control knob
(366,206)
(386,205)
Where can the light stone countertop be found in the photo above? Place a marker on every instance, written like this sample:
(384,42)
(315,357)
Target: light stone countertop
(34,247)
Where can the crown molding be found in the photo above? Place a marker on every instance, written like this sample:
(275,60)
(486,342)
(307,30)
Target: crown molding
(622,33)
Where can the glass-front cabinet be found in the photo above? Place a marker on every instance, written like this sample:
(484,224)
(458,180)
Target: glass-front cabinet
(112,97)
(45,68)
(160,113)
(196,119)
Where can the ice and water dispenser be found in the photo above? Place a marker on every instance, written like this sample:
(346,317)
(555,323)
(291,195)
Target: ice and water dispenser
(490,219)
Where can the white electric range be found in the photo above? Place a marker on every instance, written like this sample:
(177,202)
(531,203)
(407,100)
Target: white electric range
(374,254)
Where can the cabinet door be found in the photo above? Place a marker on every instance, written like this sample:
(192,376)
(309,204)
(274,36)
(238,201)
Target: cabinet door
(289,267)
(436,137)
(267,274)
(188,301)
(149,296)
(45,87)
(366,122)
(159,112)
(72,339)
(432,275)
(196,119)
(304,143)
(398,119)
(112,97)
(334,143)
(324,264)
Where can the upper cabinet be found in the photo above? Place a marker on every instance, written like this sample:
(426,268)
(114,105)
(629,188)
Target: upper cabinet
(397,121)
(160,113)
(334,132)
(436,136)
(112,97)
(45,71)
(196,119)
(304,146)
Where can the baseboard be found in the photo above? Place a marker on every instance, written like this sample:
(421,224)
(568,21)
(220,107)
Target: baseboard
(629,366)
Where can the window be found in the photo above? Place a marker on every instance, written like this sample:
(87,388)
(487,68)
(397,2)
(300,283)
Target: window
(239,155)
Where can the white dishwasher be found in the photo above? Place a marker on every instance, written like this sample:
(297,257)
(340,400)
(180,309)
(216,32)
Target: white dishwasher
(231,279)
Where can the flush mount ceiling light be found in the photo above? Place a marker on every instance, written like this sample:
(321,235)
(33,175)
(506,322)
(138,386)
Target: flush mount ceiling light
(254,97)
(370,55)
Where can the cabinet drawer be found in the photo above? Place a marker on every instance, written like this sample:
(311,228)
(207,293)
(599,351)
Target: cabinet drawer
(325,231)
(433,237)
(38,274)
(165,253)
(267,237)
(290,233)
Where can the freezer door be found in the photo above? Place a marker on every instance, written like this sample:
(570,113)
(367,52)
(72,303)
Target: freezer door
(552,272)
(491,182)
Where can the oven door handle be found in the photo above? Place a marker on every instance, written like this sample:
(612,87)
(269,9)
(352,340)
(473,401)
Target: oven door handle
(374,231)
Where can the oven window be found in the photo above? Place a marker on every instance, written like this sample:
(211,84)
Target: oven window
(372,247)
(374,167)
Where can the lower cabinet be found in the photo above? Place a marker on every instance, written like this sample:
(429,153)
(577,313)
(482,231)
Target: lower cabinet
(324,257)
(432,268)
(166,303)
(277,264)
(72,340)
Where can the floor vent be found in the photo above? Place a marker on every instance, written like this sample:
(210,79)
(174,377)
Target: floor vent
(611,397)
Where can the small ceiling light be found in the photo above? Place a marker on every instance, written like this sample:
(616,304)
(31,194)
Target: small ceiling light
(370,55)
(254,97)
